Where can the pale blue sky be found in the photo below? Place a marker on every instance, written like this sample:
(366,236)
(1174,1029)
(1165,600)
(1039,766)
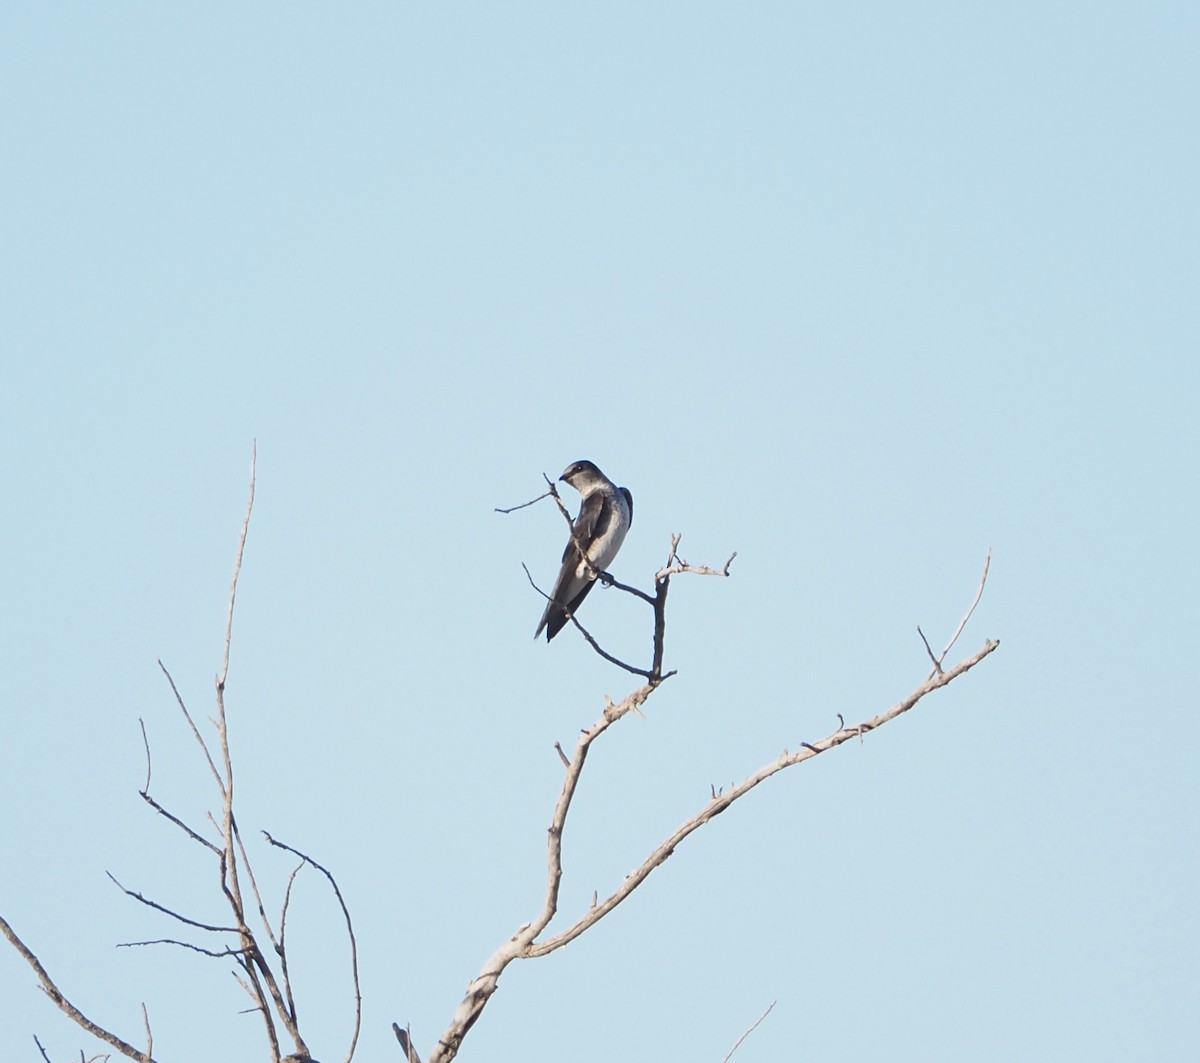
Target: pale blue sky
(858,291)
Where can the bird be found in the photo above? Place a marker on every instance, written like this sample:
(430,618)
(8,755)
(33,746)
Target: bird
(605,516)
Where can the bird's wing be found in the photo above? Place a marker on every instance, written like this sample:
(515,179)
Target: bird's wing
(570,588)
(584,528)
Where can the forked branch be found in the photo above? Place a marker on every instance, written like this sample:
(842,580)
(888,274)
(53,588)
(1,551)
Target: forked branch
(527,943)
(270,992)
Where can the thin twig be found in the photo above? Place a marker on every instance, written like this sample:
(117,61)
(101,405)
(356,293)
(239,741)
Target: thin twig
(167,911)
(748,1033)
(513,509)
(603,652)
(179,823)
(146,745)
(262,911)
(258,972)
(987,562)
(587,634)
(281,948)
(217,954)
(192,724)
(937,665)
(695,570)
(349,933)
(608,581)
(237,569)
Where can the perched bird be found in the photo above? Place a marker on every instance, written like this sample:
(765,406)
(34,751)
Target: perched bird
(605,515)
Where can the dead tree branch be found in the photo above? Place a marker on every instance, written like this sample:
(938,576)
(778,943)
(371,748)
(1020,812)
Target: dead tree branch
(349,933)
(937,661)
(738,1043)
(55,994)
(270,992)
(723,799)
(525,943)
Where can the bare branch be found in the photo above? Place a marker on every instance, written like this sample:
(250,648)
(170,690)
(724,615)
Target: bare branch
(216,954)
(281,948)
(513,509)
(587,634)
(260,979)
(987,562)
(481,988)
(56,995)
(262,912)
(179,823)
(603,652)
(237,569)
(937,665)
(676,564)
(748,1032)
(608,581)
(349,933)
(521,944)
(716,805)
(146,745)
(192,724)
(167,911)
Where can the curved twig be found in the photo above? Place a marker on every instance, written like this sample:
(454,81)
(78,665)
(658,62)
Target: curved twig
(349,932)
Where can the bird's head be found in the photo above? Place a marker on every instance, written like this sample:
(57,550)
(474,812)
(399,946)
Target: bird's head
(582,475)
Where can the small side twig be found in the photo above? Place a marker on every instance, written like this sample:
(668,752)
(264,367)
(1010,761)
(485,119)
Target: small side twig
(281,947)
(146,746)
(168,911)
(237,570)
(192,724)
(349,933)
(748,1032)
(216,954)
(196,837)
(513,509)
(587,634)
(937,664)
